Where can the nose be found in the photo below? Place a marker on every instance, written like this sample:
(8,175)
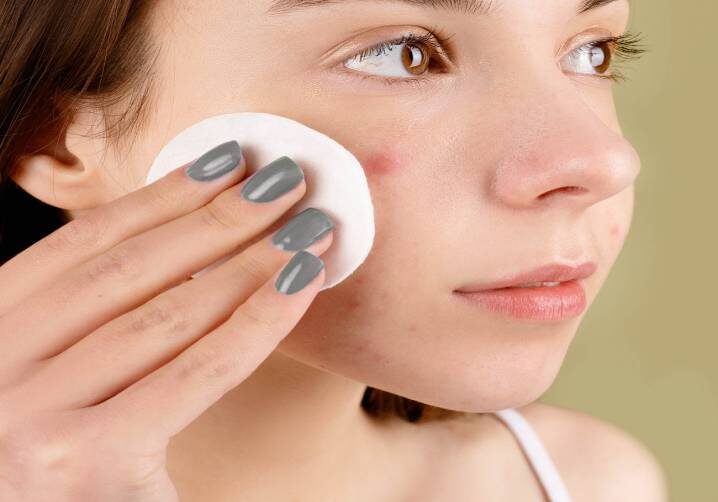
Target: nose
(560,152)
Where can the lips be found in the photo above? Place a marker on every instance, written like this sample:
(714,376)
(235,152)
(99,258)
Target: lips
(553,272)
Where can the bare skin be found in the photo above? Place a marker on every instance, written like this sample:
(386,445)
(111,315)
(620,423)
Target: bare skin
(105,297)
(469,174)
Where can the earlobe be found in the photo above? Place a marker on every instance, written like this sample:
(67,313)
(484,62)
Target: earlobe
(51,173)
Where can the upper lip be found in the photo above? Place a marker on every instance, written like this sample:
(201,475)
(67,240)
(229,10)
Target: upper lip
(553,272)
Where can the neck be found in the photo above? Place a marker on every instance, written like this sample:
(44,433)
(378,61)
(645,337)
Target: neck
(287,421)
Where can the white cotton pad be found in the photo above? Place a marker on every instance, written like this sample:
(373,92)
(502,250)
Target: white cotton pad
(335,180)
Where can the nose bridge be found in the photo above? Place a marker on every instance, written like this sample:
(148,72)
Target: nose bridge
(558,151)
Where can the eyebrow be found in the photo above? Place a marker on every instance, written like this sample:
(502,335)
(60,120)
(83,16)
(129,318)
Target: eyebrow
(593,4)
(461,6)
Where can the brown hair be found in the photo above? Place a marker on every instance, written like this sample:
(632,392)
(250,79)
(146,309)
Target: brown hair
(56,56)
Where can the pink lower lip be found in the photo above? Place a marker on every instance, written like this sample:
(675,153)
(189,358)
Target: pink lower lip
(565,301)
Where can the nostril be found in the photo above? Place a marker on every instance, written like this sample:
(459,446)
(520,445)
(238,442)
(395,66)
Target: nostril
(569,190)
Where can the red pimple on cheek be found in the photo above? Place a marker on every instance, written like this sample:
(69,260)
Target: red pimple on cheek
(380,163)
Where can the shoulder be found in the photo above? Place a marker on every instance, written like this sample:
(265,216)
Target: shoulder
(597,460)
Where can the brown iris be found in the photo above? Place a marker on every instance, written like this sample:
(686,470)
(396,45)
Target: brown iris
(409,56)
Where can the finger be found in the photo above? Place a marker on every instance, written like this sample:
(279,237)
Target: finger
(170,398)
(105,226)
(138,269)
(137,343)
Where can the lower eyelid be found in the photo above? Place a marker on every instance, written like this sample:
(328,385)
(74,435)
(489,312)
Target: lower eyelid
(390,81)
(386,80)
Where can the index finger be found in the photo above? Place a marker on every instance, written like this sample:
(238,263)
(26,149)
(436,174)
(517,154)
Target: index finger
(103,227)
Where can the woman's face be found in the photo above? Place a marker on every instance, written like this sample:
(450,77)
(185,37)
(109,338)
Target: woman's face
(469,160)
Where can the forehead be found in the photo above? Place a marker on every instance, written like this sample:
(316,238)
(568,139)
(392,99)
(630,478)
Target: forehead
(242,16)
(470,7)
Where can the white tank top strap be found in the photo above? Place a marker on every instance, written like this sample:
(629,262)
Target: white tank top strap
(536,452)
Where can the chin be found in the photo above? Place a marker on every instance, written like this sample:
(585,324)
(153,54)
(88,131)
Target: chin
(471,373)
(503,369)
(503,390)
(484,385)
(450,360)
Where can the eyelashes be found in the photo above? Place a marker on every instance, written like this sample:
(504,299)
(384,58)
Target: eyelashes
(623,48)
(438,48)
(433,39)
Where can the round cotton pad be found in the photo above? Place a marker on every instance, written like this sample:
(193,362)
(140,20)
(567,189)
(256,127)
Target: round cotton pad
(335,180)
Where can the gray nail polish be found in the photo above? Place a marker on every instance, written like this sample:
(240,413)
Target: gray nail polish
(216,162)
(273,180)
(302,230)
(301,269)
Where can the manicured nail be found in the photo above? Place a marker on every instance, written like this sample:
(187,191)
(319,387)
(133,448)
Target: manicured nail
(301,269)
(273,180)
(302,230)
(217,162)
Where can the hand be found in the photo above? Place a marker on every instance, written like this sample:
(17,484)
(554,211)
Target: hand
(107,350)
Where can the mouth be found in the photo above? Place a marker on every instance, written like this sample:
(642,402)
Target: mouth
(553,292)
(551,275)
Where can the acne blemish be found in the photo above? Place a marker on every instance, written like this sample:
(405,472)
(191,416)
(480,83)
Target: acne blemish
(380,163)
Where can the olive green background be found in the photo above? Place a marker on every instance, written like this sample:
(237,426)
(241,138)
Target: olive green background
(644,357)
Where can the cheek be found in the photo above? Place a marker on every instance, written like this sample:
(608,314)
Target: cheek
(617,238)
(383,167)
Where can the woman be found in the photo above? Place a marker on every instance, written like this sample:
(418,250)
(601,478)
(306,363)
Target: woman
(490,140)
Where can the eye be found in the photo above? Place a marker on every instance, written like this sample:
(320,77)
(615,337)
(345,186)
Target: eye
(593,58)
(409,57)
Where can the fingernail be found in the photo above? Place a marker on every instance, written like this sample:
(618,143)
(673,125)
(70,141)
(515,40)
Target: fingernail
(273,180)
(301,269)
(302,230)
(217,162)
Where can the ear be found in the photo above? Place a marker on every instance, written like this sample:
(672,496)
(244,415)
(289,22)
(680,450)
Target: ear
(52,173)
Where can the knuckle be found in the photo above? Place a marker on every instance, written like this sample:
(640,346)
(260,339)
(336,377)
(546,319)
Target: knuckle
(32,449)
(116,262)
(256,319)
(47,449)
(222,371)
(83,233)
(207,364)
(223,212)
(165,313)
